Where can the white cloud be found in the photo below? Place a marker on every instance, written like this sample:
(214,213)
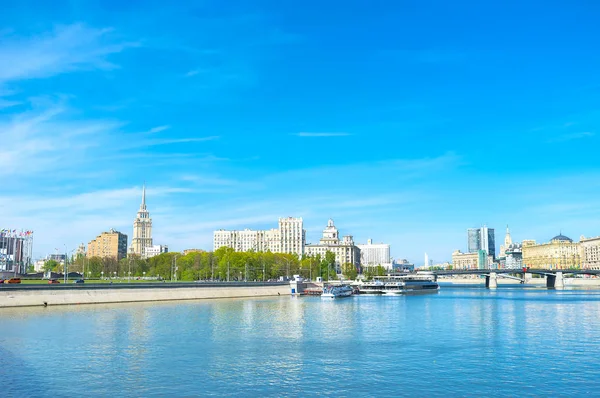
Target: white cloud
(65,49)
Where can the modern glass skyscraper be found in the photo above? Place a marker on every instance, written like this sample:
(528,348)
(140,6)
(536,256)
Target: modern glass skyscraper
(473,240)
(481,239)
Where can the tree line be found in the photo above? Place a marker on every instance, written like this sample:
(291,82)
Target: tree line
(223,264)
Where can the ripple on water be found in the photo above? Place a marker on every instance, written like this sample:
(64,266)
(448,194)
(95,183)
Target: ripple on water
(460,342)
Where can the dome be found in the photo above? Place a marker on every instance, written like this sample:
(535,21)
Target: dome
(562,238)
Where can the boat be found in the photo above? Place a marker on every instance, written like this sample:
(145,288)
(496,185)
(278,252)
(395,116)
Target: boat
(331,292)
(401,284)
(372,287)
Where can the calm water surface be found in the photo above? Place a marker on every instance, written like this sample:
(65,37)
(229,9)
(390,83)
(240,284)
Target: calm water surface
(460,342)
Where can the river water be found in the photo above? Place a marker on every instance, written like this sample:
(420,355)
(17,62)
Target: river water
(460,342)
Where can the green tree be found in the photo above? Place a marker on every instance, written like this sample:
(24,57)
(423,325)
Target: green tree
(349,271)
(50,265)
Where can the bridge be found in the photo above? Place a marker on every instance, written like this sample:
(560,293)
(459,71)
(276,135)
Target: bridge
(554,277)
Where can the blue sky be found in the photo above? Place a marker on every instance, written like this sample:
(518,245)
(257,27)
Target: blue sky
(407,122)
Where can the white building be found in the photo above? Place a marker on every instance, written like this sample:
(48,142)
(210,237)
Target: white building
(290,237)
(155,250)
(374,254)
(345,250)
(590,252)
(142,229)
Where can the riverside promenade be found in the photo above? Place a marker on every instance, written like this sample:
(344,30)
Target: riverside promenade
(72,294)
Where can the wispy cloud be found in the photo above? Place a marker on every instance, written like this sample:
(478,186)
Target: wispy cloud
(304,134)
(571,137)
(65,49)
(158,129)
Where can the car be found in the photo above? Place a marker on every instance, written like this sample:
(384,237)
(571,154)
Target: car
(1,281)
(53,281)
(13,280)
(79,281)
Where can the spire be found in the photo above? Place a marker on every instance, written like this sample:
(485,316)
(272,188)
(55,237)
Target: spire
(143,205)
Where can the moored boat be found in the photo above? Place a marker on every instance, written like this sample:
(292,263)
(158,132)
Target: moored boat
(331,292)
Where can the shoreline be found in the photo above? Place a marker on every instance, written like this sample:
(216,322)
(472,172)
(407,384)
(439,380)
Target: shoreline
(44,296)
(530,282)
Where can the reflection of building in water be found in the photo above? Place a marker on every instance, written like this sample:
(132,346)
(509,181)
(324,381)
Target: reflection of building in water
(560,252)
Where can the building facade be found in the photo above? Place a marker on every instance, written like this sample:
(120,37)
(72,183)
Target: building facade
(477,260)
(15,250)
(507,243)
(590,252)
(111,244)
(290,238)
(151,251)
(560,253)
(344,249)
(142,229)
(374,254)
(513,256)
(481,239)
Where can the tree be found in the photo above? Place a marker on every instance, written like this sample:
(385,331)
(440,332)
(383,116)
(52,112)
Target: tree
(349,271)
(50,265)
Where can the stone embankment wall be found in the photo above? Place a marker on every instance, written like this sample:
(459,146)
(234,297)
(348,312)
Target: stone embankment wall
(56,296)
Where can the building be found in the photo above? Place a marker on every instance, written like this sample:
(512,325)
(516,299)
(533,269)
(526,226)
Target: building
(58,257)
(111,244)
(403,265)
(481,239)
(15,250)
(590,252)
(373,254)
(290,237)
(477,260)
(507,243)
(142,229)
(561,252)
(513,256)
(345,250)
(151,251)
(188,251)
(80,251)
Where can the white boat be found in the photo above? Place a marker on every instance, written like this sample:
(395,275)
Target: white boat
(372,287)
(331,292)
(401,284)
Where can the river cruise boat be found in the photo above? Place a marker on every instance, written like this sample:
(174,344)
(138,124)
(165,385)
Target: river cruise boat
(401,284)
(332,292)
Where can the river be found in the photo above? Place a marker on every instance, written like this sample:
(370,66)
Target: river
(463,341)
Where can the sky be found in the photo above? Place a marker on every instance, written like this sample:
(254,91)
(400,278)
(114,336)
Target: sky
(407,122)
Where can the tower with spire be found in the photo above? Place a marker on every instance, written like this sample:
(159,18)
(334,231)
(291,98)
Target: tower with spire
(507,243)
(142,229)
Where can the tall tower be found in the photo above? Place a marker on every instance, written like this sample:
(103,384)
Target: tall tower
(142,229)
(507,239)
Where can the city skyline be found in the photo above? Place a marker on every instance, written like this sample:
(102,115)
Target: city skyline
(428,124)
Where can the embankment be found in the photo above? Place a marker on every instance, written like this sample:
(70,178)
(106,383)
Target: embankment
(583,282)
(28,296)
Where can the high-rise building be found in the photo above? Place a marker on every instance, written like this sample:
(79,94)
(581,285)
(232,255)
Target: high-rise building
(345,250)
(111,244)
(481,239)
(290,237)
(374,254)
(142,229)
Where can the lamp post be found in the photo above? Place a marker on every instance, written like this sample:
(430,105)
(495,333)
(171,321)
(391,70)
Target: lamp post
(66,267)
